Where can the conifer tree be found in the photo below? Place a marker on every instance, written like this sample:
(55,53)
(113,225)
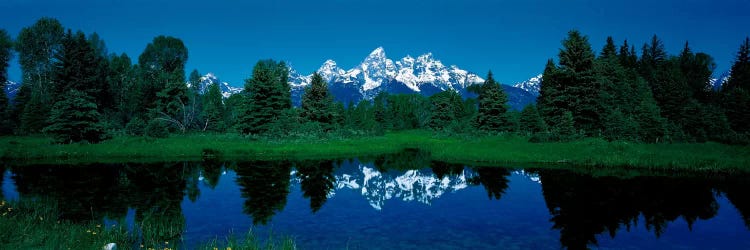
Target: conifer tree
(493,108)
(75,116)
(79,67)
(651,126)
(737,91)
(577,82)
(6,44)
(551,104)
(317,103)
(530,121)
(266,98)
(566,129)
(627,56)
(446,108)
(609,50)
(697,69)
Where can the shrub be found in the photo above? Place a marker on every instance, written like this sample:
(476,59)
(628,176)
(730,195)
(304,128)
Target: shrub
(136,127)
(156,129)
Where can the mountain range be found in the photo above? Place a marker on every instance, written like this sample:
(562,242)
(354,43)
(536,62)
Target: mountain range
(377,73)
(532,85)
(210,79)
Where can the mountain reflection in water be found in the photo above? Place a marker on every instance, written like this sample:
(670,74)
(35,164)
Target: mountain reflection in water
(405,200)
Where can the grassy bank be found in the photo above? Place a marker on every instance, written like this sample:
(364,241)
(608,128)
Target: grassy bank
(492,150)
(34,225)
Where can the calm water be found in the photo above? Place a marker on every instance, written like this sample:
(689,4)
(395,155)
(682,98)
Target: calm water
(399,203)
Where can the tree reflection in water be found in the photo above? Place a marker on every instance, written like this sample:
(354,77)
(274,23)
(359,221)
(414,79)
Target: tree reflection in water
(265,186)
(583,206)
(316,181)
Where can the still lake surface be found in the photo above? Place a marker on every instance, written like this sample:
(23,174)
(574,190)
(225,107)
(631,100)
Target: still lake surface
(399,202)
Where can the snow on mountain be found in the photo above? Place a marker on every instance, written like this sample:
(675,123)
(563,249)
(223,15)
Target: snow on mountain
(378,73)
(210,79)
(532,85)
(11,89)
(716,83)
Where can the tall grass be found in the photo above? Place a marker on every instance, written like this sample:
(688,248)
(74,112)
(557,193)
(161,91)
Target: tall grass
(29,225)
(33,224)
(491,150)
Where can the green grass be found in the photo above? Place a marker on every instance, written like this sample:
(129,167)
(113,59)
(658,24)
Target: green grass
(26,225)
(32,224)
(507,150)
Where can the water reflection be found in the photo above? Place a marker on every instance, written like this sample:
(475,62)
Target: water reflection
(265,186)
(581,208)
(316,181)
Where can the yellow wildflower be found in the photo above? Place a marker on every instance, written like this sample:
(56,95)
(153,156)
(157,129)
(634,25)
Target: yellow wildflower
(94,233)
(229,248)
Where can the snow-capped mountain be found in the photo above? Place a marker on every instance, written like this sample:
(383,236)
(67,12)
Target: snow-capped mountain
(210,79)
(376,73)
(716,83)
(532,85)
(11,89)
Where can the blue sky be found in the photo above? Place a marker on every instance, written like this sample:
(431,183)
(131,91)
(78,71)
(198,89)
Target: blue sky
(512,38)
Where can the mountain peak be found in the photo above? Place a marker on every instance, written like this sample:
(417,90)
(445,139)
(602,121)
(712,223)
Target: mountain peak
(379,52)
(425,57)
(532,85)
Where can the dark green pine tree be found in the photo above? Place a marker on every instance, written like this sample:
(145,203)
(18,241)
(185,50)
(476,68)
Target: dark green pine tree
(646,113)
(697,69)
(445,108)
(627,56)
(79,67)
(380,111)
(566,129)
(317,103)
(493,108)
(266,97)
(213,109)
(551,104)
(736,91)
(609,50)
(578,83)
(6,44)
(530,121)
(75,118)
(667,82)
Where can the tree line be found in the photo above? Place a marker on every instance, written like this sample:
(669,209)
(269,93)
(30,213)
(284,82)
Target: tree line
(74,90)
